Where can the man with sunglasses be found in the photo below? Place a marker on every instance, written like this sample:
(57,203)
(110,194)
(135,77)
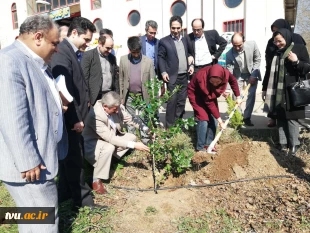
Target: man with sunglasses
(202,45)
(149,42)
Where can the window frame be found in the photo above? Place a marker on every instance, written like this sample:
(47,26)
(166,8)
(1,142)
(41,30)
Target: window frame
(92,4)
(175,2)
(14,12)
(233,22)
(129,16)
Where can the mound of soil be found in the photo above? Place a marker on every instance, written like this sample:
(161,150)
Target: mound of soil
(254,203)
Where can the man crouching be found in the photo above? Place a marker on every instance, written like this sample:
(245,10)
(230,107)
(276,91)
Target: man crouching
(103,136)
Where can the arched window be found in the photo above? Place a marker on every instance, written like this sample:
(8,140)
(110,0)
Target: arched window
(14,16)
(98,25)
(178,8)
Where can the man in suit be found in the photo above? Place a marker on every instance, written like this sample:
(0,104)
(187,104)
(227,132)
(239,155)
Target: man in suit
(104,136)
(150,43)
(67,62)
(243,61)
(99,68)
(202,45)
(173,66)
(135,70)
(32,134)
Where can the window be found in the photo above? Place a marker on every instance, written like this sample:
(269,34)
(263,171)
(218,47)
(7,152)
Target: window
(178,8)
(134,18)
(43,7)
(232,3)
(95,4)
(14,16)
(98,24)
(234,26)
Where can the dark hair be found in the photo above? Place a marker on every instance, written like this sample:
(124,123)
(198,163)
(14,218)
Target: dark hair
(134,43)
(239,34)
(102,40)
(201,20)
(176,18)
(276,33)
(37,23)
(106,31)
(81,24)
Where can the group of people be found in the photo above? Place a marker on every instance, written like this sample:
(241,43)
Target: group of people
(42,135)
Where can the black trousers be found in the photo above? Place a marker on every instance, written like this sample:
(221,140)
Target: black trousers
(71,173)
(176,104)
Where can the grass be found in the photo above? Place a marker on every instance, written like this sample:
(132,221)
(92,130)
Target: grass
(214,221)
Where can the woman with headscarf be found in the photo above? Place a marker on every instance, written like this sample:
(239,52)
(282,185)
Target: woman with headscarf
(206,86)
(271,49)
(283,72)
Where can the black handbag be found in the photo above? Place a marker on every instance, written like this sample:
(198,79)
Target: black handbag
(299,93)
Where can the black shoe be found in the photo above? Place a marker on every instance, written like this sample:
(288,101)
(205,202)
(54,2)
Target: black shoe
(248,122)
(293,150)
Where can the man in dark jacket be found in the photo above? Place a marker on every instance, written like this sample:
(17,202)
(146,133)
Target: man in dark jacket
(202,45)
(99,68)
(67,62)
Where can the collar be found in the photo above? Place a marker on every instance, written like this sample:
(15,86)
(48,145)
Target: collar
(152,41)
(199,38)
(135,61)
(72,45)
(35,56)
(174,38)
(100,54)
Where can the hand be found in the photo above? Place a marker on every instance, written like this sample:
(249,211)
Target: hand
(222,125)
(252,80)
(238,100)
(213,57)
(127,118)
(264,95)
(292,57)
(64,108)
(191,70)
(166,77)
(78,127)
(34,173)
(226,94)
(190,60)
(141,146)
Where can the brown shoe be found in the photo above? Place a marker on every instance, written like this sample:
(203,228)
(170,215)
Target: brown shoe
(98,187)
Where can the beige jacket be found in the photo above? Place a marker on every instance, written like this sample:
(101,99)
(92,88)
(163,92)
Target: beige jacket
(97,127)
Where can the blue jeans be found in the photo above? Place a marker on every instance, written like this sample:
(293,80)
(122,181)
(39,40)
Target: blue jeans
(206,131)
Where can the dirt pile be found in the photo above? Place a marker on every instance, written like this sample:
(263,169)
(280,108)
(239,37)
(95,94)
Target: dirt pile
(267,205)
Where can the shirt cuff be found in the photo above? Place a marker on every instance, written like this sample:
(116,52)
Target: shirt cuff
(131,145)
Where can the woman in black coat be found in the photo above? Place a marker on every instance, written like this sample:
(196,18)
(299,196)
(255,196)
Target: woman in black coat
(282,73)
(271,48)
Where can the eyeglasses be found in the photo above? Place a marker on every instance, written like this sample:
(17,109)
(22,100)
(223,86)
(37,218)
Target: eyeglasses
(197,30)
(152,33)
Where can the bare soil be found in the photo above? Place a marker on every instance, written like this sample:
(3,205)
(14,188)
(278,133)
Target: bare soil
(271,204)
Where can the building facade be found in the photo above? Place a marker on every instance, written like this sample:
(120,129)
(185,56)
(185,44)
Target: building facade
(127,17)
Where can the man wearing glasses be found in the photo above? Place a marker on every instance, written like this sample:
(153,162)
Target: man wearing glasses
(150,43)
(202,45)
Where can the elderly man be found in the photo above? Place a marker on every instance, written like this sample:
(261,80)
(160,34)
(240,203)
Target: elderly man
(243,61)
(99,68)
(32,134)
(202,45)
(104,136)
(150,43)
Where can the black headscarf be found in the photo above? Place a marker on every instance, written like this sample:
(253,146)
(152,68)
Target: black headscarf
(287,35)
(281,23)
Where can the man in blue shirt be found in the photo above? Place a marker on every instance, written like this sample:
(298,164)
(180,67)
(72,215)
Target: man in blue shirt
(150,43)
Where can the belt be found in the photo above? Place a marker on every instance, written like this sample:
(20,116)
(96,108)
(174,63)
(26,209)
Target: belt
(199,67)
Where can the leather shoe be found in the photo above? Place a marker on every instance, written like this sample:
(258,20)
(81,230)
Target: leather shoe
(98,187)
(281,147)
(99,207)
(293,150)
(248,122)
